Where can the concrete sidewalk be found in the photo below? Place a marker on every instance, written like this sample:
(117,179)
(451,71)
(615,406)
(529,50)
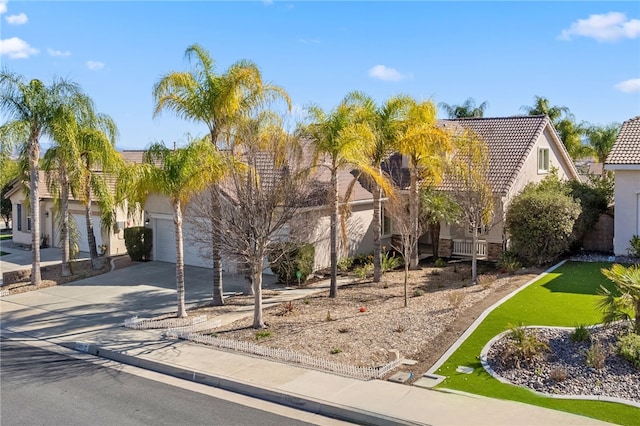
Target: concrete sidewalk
(87,315)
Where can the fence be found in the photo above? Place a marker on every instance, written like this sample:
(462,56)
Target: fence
(146,324)
(365,373)
(464,247)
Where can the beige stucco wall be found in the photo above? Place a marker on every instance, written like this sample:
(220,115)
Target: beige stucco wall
(627,197)
(113,239)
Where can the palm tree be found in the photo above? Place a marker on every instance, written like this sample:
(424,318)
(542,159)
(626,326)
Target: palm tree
(98,159)
(426,144)
(467,110)
(627,282)
(385,122)
(570,133)
(217,100)
(342,136)
(178,174)
(30,109)
(601,140)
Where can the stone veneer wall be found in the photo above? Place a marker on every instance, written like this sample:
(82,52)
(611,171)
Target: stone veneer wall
(494,251)
(445,249)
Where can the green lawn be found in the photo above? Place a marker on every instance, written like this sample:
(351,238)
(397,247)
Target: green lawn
(564,297)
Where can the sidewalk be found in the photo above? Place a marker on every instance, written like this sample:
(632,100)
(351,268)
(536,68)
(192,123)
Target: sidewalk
(76,316)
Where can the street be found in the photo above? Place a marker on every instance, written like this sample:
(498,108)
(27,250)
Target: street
(46,388)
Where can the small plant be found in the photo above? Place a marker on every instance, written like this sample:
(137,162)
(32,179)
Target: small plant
(509,262)
(263,334)
(440,285)
(558,374)
(523,346)
(455,298)
(390,261)
(335,351)
(629,348)
(635,246)
(580,334)
(485,281)
(329,316)
(595,356)
(417,292)
(306,301)
(343,330)
(287,308)
(400,328)
(439,263)
(364,271)
(345,264)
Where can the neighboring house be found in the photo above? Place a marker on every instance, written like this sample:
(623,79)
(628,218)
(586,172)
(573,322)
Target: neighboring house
(522,150)
(624,161)
(113,239)
(197,249)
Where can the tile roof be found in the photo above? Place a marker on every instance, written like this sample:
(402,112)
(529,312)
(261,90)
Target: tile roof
(626,149)
(509,140)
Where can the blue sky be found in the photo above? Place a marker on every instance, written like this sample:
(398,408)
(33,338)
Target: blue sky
(582,55)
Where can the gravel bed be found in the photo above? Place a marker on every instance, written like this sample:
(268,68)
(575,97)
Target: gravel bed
(618,378)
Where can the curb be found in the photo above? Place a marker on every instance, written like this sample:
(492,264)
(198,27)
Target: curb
(303,403)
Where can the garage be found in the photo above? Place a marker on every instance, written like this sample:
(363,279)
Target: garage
(164,247)
(81,224)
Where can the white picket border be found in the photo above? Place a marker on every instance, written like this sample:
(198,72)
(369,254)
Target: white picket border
(146,324)
(287,355)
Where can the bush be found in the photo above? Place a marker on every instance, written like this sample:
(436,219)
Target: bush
(541,224)
(139,242)
(595,355)
(509,261)
(634,244)
(390,261)
(345,264)
(629,348)
(580,334)
(289,258)
(439,263)
(593,201)
(522,346)
(364,271)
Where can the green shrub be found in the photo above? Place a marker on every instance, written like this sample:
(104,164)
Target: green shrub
(580,334)
(593,201)
(345,264)
(523,346)
(509,261)
(139,242)
(540,223)
(634,250)
(439,263)
(289,258)
(629,348)
(263,334)
(364,271)
(418,292)
(390,261)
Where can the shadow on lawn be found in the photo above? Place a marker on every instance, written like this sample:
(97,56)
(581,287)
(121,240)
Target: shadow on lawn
(580,278)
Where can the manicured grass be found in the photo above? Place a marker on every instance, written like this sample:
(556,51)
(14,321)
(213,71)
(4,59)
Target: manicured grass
(565,297)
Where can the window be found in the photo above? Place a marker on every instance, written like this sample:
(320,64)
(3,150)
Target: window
(386,224)
(19,214)
(543,160)
(482,229)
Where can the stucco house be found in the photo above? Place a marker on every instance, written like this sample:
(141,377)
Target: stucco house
(624,161)
(113,238)
(197,247)
(522,150)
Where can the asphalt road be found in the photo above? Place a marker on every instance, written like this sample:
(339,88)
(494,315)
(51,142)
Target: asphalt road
(38,387)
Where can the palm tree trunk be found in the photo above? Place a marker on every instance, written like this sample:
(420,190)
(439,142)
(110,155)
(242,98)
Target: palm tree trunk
(413,213)
(64,228)
(256,273)
(435,239)
(177,220)
(377,244)
(216,250)
(91,238)
(34,194)
(333,290)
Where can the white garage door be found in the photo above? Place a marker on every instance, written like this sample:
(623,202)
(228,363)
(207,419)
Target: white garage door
(81,224)
(165,245)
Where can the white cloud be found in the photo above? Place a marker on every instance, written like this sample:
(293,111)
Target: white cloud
(384,73)
(610,26)
(309,41)
(629,86)
(3,6)
(20,19)
(95,65)
(16,48)
(63,53)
